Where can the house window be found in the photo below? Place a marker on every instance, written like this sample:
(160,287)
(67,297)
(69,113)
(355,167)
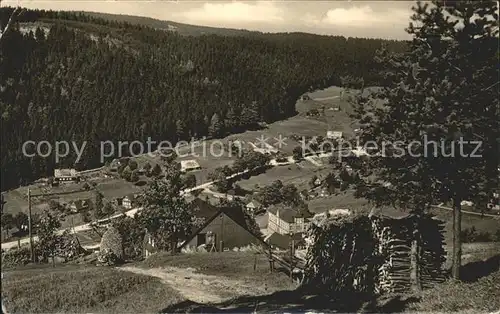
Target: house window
(201,238)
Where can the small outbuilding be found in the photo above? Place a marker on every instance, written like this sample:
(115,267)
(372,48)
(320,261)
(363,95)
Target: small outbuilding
(189,165)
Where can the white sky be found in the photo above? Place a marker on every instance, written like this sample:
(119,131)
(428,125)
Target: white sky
(382,19)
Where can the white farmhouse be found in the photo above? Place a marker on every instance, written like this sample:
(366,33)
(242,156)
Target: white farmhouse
(189,165)
(65,174)
(334,135)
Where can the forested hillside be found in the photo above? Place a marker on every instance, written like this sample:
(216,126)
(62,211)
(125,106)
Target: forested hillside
(180,28)
(69,76)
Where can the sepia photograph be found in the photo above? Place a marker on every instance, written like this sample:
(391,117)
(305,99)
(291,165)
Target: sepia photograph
(260,156)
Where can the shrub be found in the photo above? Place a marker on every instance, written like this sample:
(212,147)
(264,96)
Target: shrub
(471,235)
(107,257)
(16,257)
(112,241)
(133,236)
(68,247)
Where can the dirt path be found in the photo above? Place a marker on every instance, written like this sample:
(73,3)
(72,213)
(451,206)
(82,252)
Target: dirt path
(194,286)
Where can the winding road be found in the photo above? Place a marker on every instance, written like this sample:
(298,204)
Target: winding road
(205,189)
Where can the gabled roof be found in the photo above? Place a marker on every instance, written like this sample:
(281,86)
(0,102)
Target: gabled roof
(283,241)
(288,214)
(131,197)
(254,203)
(205,209)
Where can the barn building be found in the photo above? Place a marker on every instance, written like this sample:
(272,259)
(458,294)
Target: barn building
(223,229)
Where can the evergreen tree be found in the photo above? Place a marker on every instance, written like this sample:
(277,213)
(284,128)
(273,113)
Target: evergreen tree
(216,126)
(180,129)
(156,171)
(134,176)
(47,238)
(166,215)
(441,90)
(232,122)
(127,173)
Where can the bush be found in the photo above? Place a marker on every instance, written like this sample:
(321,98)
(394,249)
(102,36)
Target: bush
(107,257)
(471,235)
(112,241)
(133,236)
(16,257)
(85,215)
(68,247)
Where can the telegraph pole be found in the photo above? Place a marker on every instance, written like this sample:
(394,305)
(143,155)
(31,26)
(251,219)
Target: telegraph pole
(32,253)
(2,202)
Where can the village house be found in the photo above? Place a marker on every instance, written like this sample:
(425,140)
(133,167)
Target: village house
(222,229)
(334,135)
(254,207)
(285,220)
(494,203)
(67,175)
(79,205)
(284,242)
(129,201)
(189,165)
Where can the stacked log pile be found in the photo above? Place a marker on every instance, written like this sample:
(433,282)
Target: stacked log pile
(432,255)
(394,248)
(375,254)
(393,240)
(340,256)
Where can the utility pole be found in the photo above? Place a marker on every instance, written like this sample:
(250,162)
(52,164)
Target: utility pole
(222,232)
(32,253)
(292,244)
(2,202)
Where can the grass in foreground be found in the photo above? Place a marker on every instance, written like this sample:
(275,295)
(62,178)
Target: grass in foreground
(84,290)
(480,296)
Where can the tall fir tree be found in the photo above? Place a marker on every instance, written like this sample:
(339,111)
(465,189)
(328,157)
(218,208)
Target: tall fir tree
(443,94)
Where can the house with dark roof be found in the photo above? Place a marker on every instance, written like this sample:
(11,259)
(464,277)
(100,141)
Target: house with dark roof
(79,205)
(279,241)
(253,207)
(222,229)
(287,220)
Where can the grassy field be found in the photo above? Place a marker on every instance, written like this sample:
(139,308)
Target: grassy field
(298,174)
(43,289)
(114,188)
(486,224)
(481,296)
(230,264)
(247,269)
(74,289)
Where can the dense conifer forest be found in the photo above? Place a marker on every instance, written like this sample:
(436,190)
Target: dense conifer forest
(69,76)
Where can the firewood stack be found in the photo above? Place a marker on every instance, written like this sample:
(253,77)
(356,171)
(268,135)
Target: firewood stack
(339,258)
(433,255)
(394,247)
(375,254)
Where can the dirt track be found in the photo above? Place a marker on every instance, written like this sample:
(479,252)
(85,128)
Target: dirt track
(198,287)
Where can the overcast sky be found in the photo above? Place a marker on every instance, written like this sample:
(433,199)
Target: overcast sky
(381,19)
